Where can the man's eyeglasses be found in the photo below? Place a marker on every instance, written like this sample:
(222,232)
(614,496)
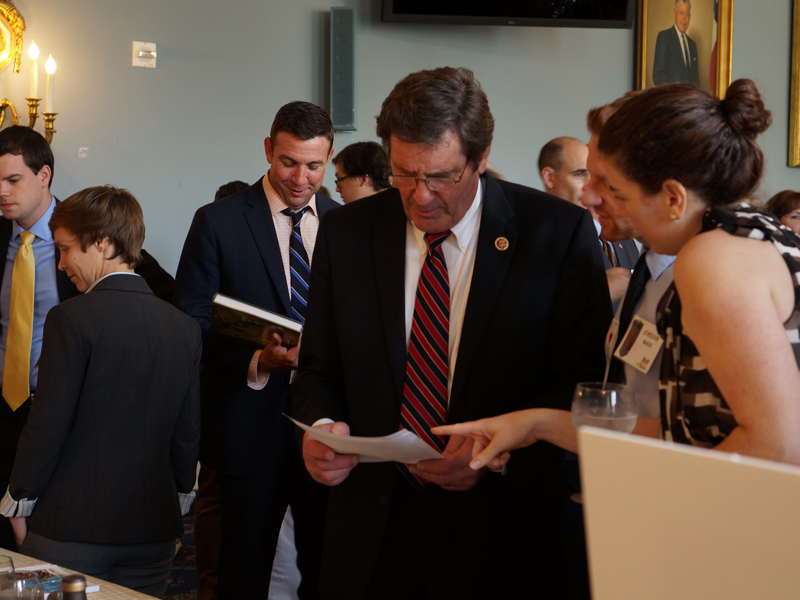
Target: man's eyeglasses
(435,184)
(336,181)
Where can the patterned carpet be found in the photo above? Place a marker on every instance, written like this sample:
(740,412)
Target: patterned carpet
(182,584)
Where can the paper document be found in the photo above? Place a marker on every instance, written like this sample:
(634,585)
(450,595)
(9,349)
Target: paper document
(402,446)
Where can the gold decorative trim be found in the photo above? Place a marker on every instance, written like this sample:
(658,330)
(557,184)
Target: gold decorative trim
(794,97)
(15,24)
(724,46)
(641,45)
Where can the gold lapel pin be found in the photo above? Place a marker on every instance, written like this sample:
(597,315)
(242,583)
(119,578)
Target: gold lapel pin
(501,244)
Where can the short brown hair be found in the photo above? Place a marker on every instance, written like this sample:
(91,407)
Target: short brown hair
(598,116)
(680,132)
(302,120)
(365,158)
(103,212)
(30,145)
(782,203)
(424,106)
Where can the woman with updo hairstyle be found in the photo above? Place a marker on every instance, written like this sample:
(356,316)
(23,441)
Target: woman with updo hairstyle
(786,206)
(679,162)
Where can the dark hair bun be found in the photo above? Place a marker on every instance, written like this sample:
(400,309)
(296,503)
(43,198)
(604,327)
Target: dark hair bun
(745,109)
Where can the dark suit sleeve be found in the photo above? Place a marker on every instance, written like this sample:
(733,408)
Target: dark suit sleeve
(661,60)
(64,359)
(161,282)
(694,75)
(318,388)
(579,320)
(197,280)
(185,444)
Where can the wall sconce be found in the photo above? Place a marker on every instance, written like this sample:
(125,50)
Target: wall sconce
(11,27)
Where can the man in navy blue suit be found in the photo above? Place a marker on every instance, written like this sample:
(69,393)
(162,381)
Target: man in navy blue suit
(240,246)
(675,58)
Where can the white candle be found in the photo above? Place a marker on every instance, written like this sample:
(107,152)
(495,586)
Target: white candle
(50,67)
(33,53)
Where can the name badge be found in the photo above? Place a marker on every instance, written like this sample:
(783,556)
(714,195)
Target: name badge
(640,345)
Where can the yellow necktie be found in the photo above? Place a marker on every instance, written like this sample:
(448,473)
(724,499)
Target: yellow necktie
(17,366)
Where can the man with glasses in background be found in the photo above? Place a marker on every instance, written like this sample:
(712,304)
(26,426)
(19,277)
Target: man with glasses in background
(449,297)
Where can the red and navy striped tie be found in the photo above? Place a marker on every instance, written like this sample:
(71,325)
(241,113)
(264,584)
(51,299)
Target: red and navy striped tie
(299,266)
(427,370)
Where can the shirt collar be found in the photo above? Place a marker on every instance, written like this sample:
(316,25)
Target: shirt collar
(462,231)
(598,227)
(91,287)
(658,263)
(276,203)
(41,229)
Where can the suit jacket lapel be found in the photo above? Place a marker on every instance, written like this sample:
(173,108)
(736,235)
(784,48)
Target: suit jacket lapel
(389,265)
(259,219)
(488,277)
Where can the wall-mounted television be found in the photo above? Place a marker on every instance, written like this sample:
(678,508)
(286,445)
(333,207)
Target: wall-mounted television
(536,13)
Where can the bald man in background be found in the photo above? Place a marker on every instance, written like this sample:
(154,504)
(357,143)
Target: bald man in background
(562,166)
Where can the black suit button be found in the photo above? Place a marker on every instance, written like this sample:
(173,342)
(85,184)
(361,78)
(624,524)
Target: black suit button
(285,380)
(383,500)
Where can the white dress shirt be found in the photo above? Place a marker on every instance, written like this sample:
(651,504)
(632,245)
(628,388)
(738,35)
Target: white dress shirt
(459,254)
(309,225)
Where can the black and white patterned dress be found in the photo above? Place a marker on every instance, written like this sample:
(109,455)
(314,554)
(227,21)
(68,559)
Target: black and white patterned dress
(693,410)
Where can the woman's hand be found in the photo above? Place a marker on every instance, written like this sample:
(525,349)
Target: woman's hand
(20,527)
(497,436)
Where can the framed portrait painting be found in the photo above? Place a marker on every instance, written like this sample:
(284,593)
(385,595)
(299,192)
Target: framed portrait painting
(684,41)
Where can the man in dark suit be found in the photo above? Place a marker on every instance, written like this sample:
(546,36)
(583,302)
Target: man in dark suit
(562,166)
(526,306)
(246,246)
(106,463)
(26,172)
(675,59)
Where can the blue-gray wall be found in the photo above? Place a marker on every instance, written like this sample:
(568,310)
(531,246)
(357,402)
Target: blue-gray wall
(173,135)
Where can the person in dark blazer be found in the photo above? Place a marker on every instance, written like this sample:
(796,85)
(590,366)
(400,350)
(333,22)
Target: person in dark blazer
(528,310)
(240,246)
(26,173)
(161,282)
(106,463)
(670,63)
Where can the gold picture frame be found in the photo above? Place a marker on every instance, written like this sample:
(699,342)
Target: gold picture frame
(794,95)
(709,36)
(11,27)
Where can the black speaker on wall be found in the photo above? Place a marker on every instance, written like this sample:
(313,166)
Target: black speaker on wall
(343,68)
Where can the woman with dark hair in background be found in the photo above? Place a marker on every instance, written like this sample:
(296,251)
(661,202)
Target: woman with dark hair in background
(361,170)
(679,162)
(786,206)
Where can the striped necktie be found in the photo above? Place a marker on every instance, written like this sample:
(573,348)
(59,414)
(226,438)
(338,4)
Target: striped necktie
(427,370)
(299,266)
(609,250)
(17,364)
